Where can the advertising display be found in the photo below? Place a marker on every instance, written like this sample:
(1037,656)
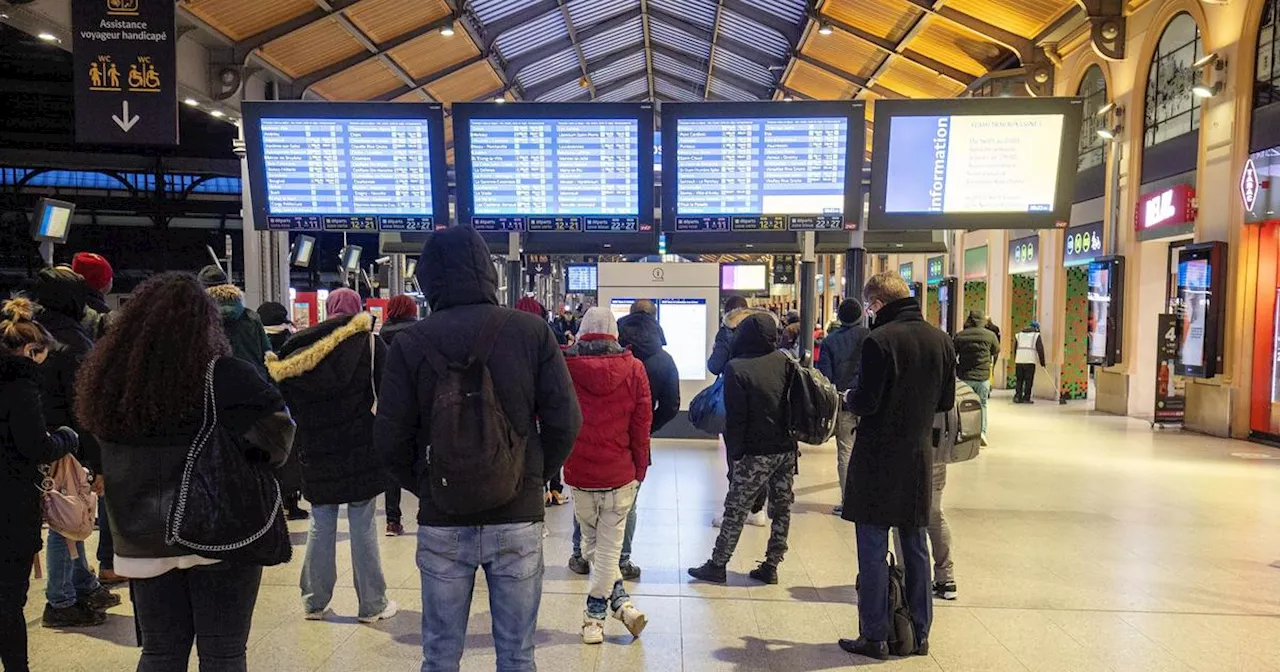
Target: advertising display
(1024,255)
(1166,212)
(1106,311)
(907,271)
(1201,302)
(581,278)
(52,221)
(754,167)
(934,269)
(974,163)
(1171,400)
(346,166)
(684,321)
(975,263)
(744,277)
(555,167)
(1082,244)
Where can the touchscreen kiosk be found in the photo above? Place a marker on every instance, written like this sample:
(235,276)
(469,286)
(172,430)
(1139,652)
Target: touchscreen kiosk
(322,166)
(974,163)
(1106,311)
(52,221)
(1202,268)
(303,248)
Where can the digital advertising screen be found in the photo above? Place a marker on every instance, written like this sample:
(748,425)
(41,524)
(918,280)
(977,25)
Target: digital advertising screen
(684,321)
(751,167)
(974,163)
(581,278)
(1201,300)
(555,168)
(744,277)
(52,221)
(1106,311)
(321,166)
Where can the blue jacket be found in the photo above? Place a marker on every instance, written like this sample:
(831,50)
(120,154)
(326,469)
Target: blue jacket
(841,354)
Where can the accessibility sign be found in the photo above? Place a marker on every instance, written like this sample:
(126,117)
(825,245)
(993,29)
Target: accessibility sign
(126,84)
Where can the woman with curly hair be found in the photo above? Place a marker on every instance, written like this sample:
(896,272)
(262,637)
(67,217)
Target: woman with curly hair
(142,396)
(24,446)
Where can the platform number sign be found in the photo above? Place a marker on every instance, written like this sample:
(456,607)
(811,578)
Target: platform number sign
(124,58)
(1082,244)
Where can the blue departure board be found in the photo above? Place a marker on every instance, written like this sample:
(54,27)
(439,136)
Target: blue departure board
(761,174)
(555,175)
(347,174)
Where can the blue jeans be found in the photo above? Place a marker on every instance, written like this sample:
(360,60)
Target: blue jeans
(448,557)
(873,578)
(626,536)
(68,579)
(983,388)
(319,568)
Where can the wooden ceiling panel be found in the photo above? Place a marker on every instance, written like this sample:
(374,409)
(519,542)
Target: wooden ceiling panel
(362,82)
(957,47)
(917,81)
(817,83)
(239,19)
(1024,17)
(430,53)
(384,20)
(843,51)
(414,96)
(311,48)
(466,84)
(889,19)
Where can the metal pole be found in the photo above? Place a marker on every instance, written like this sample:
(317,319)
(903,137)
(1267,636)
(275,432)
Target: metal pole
(808,292)
(855,265)
(514,281)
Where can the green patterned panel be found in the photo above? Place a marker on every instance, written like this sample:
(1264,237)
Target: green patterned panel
(1022,309)
(975,297)
(933,313)
(1075,371)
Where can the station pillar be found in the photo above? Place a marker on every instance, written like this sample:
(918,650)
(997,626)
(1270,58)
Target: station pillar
(266,253)
(808,292)
(855,266)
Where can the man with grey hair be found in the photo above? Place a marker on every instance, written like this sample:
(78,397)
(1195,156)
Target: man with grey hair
(906,376)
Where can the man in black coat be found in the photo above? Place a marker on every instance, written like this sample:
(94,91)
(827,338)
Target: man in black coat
(532,384)
(907,375)
(841,354)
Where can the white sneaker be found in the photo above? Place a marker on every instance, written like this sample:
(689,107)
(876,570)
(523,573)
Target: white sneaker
(592,629)
(759,519)
(317,615)
(717,520)
(392,609)
(633,618)
(983,441)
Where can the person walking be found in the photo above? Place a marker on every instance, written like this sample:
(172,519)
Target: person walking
(142,394)
(74,595)
(608,463)
(1028,352)
(243,327)
(976,350)
(24,446)
(530,385)
(402,313)
(841,354)
(736,310)
(907,376)
(329,375)
(760,445)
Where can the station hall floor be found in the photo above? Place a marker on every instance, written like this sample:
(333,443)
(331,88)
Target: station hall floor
(1082,542)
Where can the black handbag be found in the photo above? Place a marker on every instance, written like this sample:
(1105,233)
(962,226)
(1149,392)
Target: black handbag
(227,507)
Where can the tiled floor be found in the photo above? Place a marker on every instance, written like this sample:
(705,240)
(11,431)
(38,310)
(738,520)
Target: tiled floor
(1083,542)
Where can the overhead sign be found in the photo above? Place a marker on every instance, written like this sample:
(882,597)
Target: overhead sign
(784,269)
(1024,255)
(1249,185)
(933,270)
(126,85)
(1082,245)
(1166,208)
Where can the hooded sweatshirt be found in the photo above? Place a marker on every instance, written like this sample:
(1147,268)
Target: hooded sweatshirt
(755,383)
(722,351)
(243,327)
(530,380)
(642,333)
(613,448)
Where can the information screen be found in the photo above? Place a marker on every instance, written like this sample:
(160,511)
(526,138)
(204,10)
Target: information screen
(1099,311)
(1193,290)
(347,174)
(744,277)
(53,222)
(989,163)
(551,175)
(582,278)
(761,174)
(684,321)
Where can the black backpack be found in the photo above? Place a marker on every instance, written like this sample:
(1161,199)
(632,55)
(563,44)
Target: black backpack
(475,461)
(902,630)
(812,405)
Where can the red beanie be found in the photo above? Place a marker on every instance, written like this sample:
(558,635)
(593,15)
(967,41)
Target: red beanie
(94,269)
(401,306)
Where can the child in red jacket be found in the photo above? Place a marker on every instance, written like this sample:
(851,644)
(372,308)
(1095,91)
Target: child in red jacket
(608,463)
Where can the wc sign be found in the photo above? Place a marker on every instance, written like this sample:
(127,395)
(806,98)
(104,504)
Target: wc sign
(1167,208)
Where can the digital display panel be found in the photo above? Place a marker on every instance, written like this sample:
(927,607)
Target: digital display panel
(346,166)
(744,277)
(52,221)
(1099,312)
(974,163)
(1194,292)
(684,321)
(303,248)
(582,278)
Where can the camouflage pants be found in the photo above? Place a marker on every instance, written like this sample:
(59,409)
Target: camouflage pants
(751,475)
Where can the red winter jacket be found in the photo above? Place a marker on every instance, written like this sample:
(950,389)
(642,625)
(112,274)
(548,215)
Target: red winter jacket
(613,391)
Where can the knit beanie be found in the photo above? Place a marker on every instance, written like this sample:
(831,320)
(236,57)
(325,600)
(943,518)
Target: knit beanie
(212,276)
(95,270)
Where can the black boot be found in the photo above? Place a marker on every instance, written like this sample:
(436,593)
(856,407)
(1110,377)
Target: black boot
(866,647)
(765,573)
(710,572)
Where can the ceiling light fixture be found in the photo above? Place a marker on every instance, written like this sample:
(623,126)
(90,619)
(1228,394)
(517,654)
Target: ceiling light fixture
(824,28)
(1102,111)
(787,99)
(1206,90)
(447,28)
(192,102)
(499,99)
(1106,134)
(1205,60)
(217,114)
(48,37)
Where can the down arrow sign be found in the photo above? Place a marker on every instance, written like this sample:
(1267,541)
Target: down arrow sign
(124,121)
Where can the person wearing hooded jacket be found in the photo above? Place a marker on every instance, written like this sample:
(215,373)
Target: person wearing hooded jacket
(759,444)
(279,328)
(328,375)
(243,327)
(537,398)
(841,354)
(276,322)
(608,463)
(402,313)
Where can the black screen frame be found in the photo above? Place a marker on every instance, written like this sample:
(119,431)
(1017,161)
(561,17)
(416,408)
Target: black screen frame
(773,241)
(735,290)
(1113,349)
(571,290)
(43,205)
(1215,253)
(255,111)
(1072,110)
(295,255)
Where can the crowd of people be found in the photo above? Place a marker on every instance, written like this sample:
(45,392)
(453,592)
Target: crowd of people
(485,414)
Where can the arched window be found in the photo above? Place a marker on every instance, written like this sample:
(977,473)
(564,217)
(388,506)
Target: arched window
(1266,77)
(1093,89)
(1171,109)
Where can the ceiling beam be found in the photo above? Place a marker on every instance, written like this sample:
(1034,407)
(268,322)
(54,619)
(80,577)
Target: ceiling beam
(517,63)
(747,85)
(494,29)
(747,51)
(320,13)
(421,83)
(301,84)
(830,69)
(495,60)
(622,83)
(711,56)
(888,45)
(1018,44)
(577,47)
(542,88)
(648,44)
(790,31)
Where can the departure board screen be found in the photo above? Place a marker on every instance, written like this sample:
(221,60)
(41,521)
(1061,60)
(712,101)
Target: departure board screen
(555,175)
(316,172)
(761,174)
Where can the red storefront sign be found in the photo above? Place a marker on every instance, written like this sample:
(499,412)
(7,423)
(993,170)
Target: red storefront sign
(1166,208)
(1249,185)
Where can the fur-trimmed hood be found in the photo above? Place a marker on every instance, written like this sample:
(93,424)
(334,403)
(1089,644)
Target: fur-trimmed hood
(230,300)
(340,343)
(735,317)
